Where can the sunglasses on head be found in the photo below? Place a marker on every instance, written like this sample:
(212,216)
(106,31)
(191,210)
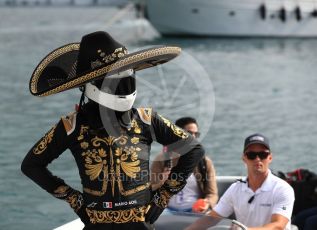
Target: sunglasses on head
(252,155)
(196,134)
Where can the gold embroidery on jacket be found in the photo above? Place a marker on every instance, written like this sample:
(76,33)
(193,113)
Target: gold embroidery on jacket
(61,192)
(130,168)
(95,163)
(163,198)
(119,216)
(84,145)
(135,140)
(176,130)
(135,126)
(121,158)
(83,130)
(172,183)
(61,189)
(75,200)
(41,147)
(132,191)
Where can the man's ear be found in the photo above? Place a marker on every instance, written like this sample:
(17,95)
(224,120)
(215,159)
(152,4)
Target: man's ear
(243,158)
(270,157)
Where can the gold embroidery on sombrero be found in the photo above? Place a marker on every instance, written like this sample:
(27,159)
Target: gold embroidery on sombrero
(118,53)
(95,64)
(119,216)
(47,60)
(120,158)
(176,130)
(110,68)
(40,148)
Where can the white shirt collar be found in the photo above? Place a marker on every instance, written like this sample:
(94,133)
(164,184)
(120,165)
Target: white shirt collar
(268,182)
(266,185)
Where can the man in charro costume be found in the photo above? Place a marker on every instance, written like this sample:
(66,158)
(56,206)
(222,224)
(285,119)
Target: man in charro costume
(109,139)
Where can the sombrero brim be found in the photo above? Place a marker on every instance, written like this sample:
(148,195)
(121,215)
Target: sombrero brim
(57,71)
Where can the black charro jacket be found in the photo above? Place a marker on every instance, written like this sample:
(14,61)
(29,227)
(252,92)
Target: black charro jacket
(113,160)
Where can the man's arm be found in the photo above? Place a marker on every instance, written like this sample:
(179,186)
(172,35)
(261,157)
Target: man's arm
(278,222)
(282,210)
(211,219)
(224,208)
(211,189)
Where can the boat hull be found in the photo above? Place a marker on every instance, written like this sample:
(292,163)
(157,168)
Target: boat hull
(234,18)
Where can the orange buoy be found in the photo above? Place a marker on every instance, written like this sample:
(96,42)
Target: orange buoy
(199,206)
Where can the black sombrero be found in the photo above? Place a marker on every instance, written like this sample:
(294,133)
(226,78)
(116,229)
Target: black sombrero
(97,55)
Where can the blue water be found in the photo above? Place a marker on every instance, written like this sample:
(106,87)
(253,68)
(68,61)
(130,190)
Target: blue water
(253,85)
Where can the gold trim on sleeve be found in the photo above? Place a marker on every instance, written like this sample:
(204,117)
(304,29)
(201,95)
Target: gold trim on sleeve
(162,198)
(176,130)
(41,147)
(75,201)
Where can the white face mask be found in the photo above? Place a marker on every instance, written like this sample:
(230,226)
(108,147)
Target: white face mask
(115,102)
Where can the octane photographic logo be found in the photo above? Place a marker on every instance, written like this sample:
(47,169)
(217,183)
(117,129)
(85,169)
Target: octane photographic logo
(178,88)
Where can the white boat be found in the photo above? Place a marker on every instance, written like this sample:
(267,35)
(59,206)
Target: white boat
(239,18)
(177,221)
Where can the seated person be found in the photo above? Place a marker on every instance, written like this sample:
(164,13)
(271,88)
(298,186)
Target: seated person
(201,188)
(306,219)
(262,201)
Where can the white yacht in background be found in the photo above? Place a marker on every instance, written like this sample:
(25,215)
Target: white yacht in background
(241,18)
